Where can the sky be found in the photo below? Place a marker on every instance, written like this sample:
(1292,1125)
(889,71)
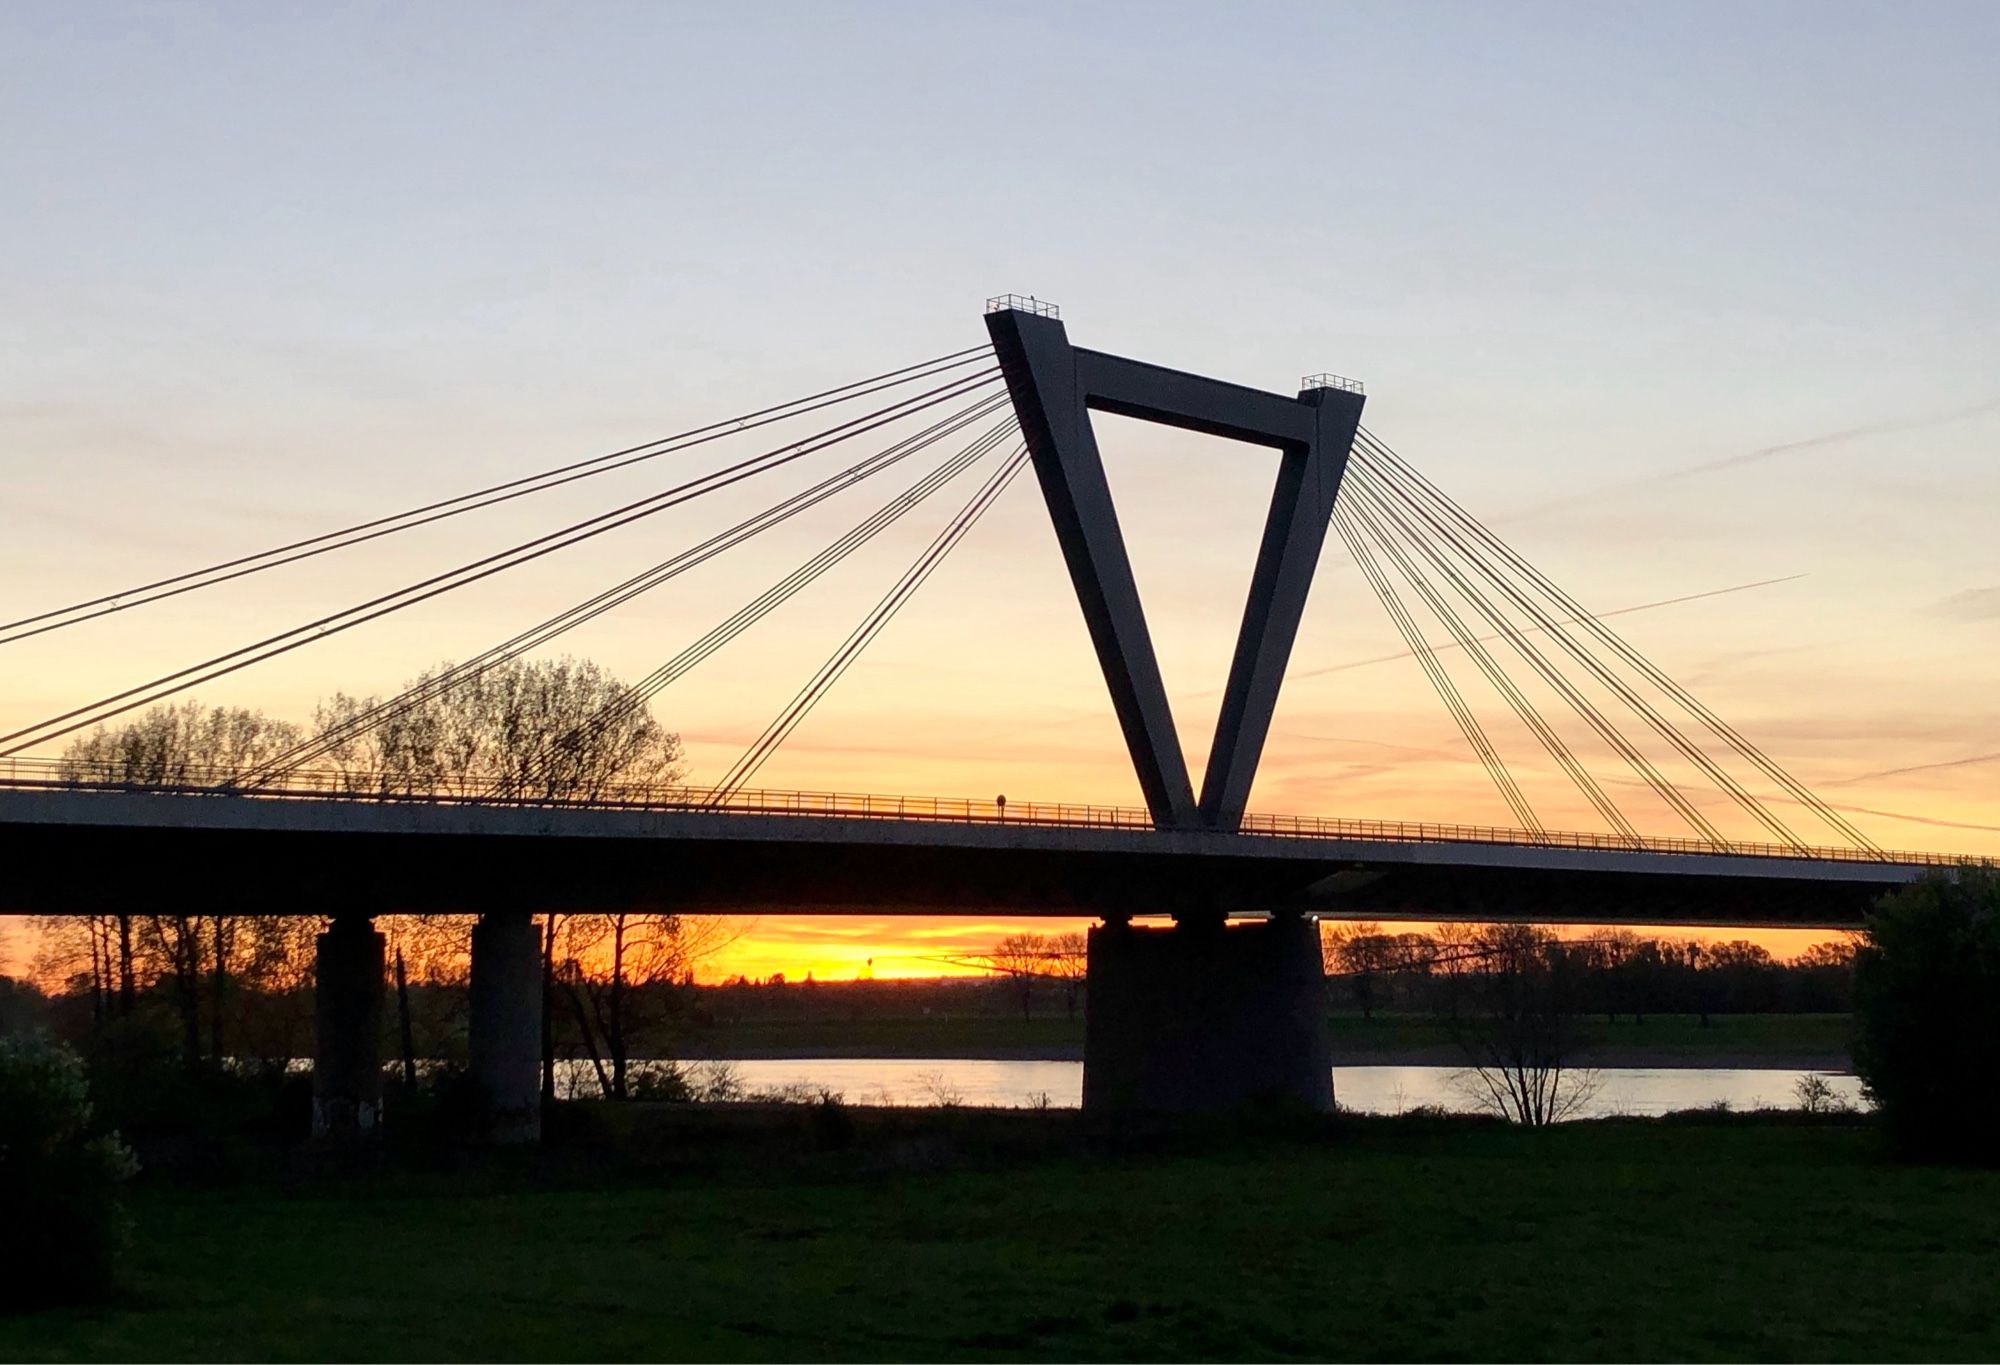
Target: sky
(1688,302)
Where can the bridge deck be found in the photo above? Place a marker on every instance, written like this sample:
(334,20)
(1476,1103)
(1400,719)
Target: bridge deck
(314,848)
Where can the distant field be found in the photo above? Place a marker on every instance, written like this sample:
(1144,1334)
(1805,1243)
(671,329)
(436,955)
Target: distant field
(1767,1238)
(1801,1040)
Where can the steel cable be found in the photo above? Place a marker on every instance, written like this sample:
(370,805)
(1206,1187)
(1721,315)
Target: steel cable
(884,611)
(230,662)
(1623,648)
(361,532)
(1359,477)
(1606,676)
(774,596)
(1468,724)
(330,740)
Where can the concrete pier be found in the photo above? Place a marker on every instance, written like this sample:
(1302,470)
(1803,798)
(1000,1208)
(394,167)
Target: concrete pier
(347,1030)
(506,1026)
(1206,1017)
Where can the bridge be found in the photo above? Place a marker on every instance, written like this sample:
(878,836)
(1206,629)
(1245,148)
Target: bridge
(1222,1007)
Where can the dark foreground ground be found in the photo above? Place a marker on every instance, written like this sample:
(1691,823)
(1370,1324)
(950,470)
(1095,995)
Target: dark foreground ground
(851,1235)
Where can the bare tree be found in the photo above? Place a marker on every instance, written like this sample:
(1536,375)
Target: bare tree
(1069,963)
(76,953)
(560,729)
(551,729)
(1519,1028)
(1362,955)
(1021,958)
(192,745)
(1455,945)
(625,979)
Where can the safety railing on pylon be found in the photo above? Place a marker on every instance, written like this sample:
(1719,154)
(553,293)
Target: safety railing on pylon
(352,785)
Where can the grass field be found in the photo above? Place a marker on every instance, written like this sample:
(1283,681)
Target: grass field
(1760,1237)
(1663,1040)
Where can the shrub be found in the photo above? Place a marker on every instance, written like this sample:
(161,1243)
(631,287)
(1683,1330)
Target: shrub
(1815,1095)
(828,1124)
(59,1177)
(1927,1015)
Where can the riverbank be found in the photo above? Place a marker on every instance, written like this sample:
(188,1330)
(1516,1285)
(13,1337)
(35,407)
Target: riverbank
(649,1232)
(1803,1042)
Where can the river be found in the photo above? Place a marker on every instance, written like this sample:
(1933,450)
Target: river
(1366,1089)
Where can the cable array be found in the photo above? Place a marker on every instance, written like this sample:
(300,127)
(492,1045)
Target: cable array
(353,727)
(864,634)
(361,532)
(642,692)
(1417,548)
(374,608)
(1388,512)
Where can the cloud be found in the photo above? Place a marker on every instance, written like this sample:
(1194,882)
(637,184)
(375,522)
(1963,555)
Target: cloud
(1973,604)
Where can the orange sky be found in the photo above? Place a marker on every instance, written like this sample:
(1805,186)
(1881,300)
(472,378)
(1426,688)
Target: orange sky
(1853,670)
(841,948)
(1608,282)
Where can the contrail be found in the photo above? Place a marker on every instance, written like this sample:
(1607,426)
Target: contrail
(1831,438)
(1917,768)
(1574,620)
(1921,819)
(1750,457)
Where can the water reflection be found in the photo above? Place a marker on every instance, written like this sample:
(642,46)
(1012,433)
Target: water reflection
(1368,1089)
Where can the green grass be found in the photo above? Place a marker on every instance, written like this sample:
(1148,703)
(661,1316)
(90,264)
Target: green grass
(1720,1239)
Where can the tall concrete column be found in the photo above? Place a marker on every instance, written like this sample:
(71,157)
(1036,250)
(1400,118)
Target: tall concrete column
(1206,1017)
(506,1039)
(347,1030)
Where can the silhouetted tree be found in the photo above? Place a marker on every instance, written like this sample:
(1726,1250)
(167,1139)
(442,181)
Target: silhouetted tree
(1069,963)
(1361,954)
(625,977)
(548,730)
(1021,958)
(183,744)
(1927,1014)
(1519,1027)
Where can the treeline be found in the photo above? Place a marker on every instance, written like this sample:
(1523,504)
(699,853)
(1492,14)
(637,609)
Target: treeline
(1616,973)
(224,991)
(236,988)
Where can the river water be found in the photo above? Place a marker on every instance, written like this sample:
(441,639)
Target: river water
(1367,1089)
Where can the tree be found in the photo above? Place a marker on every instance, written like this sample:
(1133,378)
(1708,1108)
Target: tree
(549,729)
(1519,1028)
(1927,1015)
(59,1178)
(184,744)
(1362,954)
(1021,958)
(543,730)
(1069,963)
(625,976)
(1455,946)
(1823,977)
(22,1007)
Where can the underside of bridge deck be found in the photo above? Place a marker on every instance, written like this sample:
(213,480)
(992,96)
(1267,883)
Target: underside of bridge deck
(332,857)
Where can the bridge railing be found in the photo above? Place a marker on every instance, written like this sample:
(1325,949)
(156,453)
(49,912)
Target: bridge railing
(345,785)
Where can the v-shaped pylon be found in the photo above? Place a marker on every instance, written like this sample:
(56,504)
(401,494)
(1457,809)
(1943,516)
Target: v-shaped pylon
(1054,386)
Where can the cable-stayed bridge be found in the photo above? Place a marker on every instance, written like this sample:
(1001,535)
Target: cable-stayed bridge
(542,827)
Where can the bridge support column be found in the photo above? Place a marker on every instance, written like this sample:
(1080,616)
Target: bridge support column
(506,1032)
(1204,1017)
(347,1030)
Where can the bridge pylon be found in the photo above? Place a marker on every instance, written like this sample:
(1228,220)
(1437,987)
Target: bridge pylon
(1055,386)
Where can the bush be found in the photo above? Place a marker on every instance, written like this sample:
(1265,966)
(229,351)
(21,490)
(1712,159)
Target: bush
(1927,1015)
(61,1222)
